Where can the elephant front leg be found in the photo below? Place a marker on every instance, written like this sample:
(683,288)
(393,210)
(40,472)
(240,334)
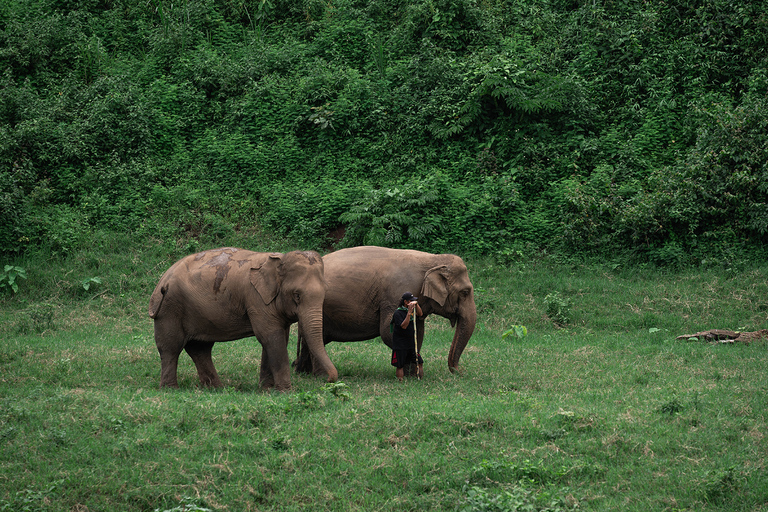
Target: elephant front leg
(201,355)
(275,364)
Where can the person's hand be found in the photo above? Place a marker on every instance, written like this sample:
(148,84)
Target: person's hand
(411,305)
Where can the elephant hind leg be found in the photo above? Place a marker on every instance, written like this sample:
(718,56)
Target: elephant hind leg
(170,343)
(200,352)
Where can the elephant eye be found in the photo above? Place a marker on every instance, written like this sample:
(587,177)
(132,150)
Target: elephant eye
(297,297)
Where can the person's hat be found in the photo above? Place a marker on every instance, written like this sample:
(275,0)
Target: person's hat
(408,297)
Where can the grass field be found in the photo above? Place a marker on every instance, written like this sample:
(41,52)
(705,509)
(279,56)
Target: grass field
(597,408)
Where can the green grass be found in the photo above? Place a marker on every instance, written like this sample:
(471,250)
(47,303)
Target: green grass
(608,412)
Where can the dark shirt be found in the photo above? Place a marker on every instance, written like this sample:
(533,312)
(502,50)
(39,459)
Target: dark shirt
(402,339)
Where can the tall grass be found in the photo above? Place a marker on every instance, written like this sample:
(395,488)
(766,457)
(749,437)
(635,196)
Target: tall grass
(606,412)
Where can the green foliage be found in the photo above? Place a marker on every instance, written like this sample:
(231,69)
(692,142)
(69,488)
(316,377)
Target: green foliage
(308,212)
(671,407)
(590,128)
(39,318)
(9,277)
(722,486)
(30,500)
(516,499)
(558,308)
(90,282)
(519,331)
(338,389)
(402,216)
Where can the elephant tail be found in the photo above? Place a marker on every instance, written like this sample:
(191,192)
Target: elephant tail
(157,299)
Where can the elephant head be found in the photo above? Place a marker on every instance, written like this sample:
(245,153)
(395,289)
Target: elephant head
(294,282)
(448,292)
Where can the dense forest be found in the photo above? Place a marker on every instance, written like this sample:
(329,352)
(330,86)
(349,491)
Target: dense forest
(614,128)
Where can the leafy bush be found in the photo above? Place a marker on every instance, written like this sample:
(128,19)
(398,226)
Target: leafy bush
(9,277)
(402,216)
(310,211)
(614,128)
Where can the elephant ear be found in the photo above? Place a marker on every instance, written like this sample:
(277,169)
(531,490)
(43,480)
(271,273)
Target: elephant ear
(266,278)
(436,284)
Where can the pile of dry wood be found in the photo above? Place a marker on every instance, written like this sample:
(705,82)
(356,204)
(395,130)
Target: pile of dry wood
(724,336)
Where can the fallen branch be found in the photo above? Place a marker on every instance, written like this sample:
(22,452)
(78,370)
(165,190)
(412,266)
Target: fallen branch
(725,336)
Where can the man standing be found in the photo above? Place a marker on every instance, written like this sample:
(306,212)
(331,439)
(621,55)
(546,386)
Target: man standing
(404,336)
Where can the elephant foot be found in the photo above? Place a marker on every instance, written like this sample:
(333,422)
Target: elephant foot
(273,387)
(211,383)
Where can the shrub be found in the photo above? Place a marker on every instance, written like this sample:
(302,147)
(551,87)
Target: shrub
(9,277)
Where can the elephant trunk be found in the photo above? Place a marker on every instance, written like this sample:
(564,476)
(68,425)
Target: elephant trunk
(465,326)
(311,329)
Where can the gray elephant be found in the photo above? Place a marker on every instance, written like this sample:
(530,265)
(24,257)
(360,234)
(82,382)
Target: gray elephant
(227,294)
(364,286)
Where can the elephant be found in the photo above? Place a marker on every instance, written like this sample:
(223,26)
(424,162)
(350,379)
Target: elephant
(364,286)
(228,293)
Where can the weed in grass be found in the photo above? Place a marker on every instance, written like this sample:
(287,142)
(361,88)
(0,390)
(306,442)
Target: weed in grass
(721,486)
(558,308)
(553,434)
(8,433)
(9,277)
(519,497)
(337,389)
(30,500)
(280,444)
(41,319)
(671,407)
(519,331)
(187,505)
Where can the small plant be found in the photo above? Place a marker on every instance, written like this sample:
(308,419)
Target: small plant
(322,116)
(8,277)
(88,283)
(338,389)
(280,443)
(721,486)
(41,317)
(187,505)
(558,308)
(519,331)
(672,407)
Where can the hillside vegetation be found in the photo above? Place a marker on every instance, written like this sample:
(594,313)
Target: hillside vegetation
(485,127)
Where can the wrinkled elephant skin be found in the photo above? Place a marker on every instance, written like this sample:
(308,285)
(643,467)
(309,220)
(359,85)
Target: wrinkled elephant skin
(227,294)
